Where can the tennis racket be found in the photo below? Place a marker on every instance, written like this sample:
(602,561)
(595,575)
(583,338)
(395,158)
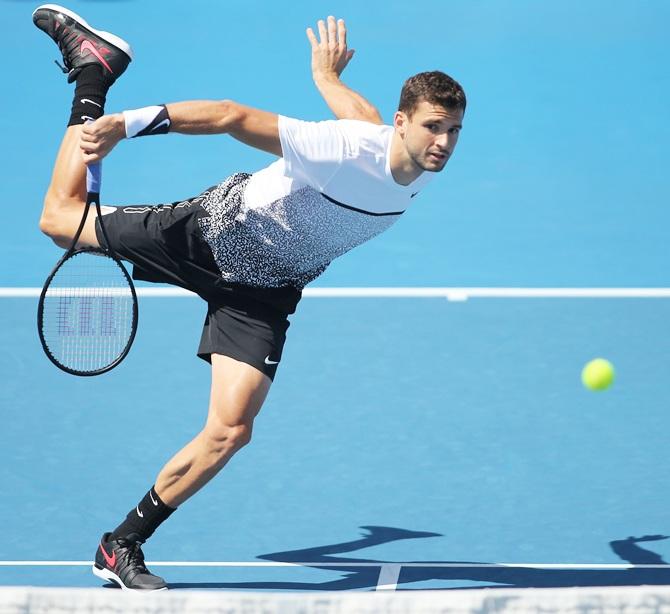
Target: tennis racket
(87,314)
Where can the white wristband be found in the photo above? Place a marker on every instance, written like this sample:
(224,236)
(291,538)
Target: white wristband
(138,120)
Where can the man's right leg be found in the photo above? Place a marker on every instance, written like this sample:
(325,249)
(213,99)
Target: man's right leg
(66,196)
(94,60)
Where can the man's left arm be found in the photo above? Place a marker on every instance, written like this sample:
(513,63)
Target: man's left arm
(330,57)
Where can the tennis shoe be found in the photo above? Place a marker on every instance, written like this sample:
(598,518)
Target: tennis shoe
(81,45)
(122,561)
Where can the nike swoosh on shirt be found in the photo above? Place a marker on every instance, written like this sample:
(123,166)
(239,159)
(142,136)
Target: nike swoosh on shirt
(89,46)
(270,362)
(111,560)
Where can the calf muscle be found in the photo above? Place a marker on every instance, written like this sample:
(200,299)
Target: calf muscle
(237,395)
(66,196)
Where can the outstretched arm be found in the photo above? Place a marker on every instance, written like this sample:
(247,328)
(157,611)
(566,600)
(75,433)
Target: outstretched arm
(254,127)
(330,57)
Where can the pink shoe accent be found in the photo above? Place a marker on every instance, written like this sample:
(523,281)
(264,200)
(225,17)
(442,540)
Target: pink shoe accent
(87,45)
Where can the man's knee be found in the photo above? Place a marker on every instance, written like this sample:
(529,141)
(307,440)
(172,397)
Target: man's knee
(50,226)
(222,440)
(60,218)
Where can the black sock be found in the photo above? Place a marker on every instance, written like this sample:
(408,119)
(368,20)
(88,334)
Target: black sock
(89,95)
(143,520)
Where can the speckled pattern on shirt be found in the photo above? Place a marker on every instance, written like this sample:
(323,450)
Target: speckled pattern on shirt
(290,241)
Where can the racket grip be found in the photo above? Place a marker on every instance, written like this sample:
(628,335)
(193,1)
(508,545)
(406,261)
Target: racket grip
(93,177)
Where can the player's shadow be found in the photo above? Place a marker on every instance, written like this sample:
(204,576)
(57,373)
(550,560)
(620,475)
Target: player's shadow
(351,576)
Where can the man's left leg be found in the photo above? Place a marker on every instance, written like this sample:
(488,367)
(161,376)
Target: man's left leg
(237,394)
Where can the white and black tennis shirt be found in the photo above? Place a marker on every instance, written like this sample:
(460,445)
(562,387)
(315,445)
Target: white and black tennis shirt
(331,191)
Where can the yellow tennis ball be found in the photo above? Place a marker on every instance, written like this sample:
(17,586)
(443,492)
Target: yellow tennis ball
(598,374)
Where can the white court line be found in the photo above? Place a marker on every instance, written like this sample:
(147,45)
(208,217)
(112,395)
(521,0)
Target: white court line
(388,577)
(567,566)
(450,293)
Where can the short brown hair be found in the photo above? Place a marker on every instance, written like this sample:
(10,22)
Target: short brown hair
(434,87)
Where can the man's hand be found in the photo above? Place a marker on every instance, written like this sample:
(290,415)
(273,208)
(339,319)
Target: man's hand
(98,138)
(330,55)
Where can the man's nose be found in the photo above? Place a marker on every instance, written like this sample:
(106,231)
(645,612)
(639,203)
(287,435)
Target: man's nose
(442,141)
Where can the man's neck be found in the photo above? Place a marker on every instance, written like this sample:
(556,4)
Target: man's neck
(403,168)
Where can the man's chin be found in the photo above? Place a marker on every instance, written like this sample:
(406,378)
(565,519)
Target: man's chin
(434,167)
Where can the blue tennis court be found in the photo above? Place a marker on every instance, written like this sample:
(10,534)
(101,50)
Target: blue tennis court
(481,447)
(408,443)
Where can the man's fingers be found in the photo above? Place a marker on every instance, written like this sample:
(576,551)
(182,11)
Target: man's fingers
(342,32)
(86,131)
(89,148)
(332,31)
(323,34)
(312,38)
(87,154)
(87,135)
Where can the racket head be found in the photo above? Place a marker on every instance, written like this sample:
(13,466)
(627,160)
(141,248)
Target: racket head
(87,313)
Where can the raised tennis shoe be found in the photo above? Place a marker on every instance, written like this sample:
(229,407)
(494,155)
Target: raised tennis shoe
(121,561)
(82,45)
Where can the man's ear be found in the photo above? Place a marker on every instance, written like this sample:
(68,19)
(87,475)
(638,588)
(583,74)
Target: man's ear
(400,121)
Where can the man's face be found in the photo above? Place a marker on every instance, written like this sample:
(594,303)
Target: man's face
(430,134)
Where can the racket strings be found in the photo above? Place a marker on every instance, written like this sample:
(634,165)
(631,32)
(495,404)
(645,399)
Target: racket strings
(88,315)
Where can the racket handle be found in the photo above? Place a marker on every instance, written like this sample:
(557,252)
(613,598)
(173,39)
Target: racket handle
(93,177)
(93,174)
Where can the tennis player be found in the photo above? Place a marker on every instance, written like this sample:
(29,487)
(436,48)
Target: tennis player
(248,245)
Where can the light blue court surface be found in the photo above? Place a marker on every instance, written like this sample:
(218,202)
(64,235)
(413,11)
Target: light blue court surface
(455,436)
(473,427)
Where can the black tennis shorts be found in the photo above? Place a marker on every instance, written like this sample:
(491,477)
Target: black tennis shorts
(165,245)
